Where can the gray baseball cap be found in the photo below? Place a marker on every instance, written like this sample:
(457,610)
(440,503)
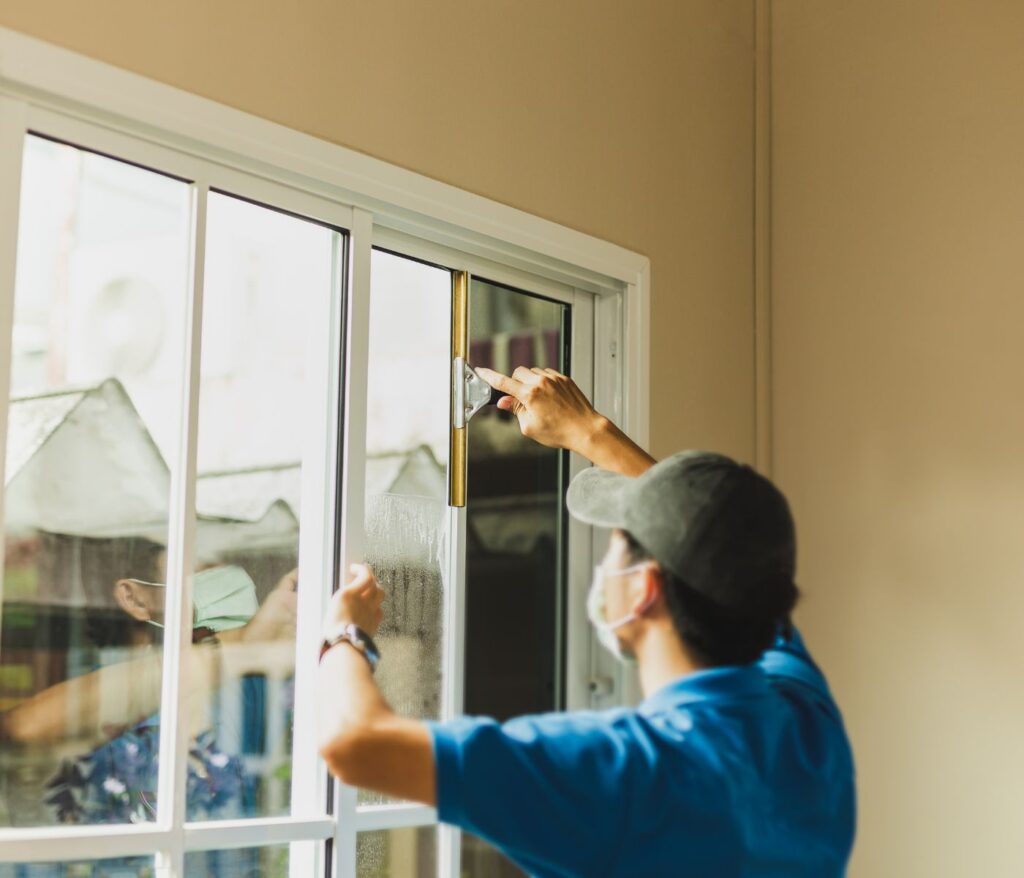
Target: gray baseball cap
(717,525)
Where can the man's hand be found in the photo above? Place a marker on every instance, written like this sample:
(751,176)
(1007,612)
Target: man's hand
(550,408)
(553,411)
(362,740)
(359,602)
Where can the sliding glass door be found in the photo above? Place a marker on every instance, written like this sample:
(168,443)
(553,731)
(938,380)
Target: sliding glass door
(222,391)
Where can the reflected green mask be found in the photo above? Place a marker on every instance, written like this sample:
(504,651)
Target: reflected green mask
(223,598)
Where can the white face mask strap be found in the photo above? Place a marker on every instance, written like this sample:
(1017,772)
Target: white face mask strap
(635,614)
(622,570)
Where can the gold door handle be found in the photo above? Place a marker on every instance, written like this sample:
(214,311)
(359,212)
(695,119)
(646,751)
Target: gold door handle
(457,462)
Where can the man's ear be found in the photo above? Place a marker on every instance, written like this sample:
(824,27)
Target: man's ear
(650,588)
(131,598)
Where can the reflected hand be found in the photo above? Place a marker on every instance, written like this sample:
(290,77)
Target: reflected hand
(275,619)
(358,602)
(551,409)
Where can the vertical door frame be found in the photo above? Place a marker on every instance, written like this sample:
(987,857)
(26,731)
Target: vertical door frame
(13,125)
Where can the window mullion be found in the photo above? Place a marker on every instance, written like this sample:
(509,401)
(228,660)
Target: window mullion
(174,732)
(77,843)
(454,574)
(353,497)
(371,818)
(577,653)
(449,847)
(614,683)
(13,121)
(317,544)
(246,833)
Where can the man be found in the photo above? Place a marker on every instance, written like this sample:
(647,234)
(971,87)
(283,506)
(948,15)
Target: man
(735,764)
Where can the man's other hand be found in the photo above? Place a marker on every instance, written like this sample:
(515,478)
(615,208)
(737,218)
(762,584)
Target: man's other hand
(358,602)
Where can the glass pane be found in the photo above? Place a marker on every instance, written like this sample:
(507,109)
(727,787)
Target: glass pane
(263,862)
(515,515)
(267,300)
(397,853)
(98,343)
(515,534)
(481,860)
(122,867)
(406,475)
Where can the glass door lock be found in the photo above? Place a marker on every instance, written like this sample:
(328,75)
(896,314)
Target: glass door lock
(470,393)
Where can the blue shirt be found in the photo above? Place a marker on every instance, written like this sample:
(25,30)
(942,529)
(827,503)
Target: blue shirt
(734,771)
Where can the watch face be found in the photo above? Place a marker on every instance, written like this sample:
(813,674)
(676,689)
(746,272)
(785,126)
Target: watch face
(369,647)
(356,637)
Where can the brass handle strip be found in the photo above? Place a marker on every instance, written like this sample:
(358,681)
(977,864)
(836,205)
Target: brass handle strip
(457,462)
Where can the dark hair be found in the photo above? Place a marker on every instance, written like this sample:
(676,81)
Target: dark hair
(715,635)
(102,563)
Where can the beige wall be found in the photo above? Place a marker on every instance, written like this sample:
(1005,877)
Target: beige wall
(898,224)
(630,121)
(898,291)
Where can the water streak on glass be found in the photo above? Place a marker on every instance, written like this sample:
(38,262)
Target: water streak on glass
(397,853)
(406,487)
(405,539)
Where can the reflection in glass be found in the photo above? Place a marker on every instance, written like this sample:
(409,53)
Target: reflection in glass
(482,860)
(262,862)
(268,289)
(515,522)
(515,518)
(406,486)
(122,867)
(98,335)
(397,853)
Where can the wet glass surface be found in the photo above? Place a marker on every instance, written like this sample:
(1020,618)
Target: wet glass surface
(406,475)
(390,853)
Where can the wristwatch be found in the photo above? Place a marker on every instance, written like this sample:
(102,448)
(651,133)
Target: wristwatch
(346,632)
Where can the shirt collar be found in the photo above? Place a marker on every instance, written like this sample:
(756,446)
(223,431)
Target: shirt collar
(735,681)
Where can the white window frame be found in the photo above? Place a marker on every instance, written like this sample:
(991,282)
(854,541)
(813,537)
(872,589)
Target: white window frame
(84,102)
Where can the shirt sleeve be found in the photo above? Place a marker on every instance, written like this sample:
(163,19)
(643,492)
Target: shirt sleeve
(545,789)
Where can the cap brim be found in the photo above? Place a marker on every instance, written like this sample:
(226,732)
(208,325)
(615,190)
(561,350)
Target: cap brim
(598,497)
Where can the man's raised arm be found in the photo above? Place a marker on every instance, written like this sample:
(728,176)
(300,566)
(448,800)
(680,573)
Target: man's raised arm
(553,411)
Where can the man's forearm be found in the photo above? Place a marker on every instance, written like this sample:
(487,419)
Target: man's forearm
(606,446)
(349,697)
(363,741)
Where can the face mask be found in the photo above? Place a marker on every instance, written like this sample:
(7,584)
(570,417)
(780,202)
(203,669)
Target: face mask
(596,606)
(223,598)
